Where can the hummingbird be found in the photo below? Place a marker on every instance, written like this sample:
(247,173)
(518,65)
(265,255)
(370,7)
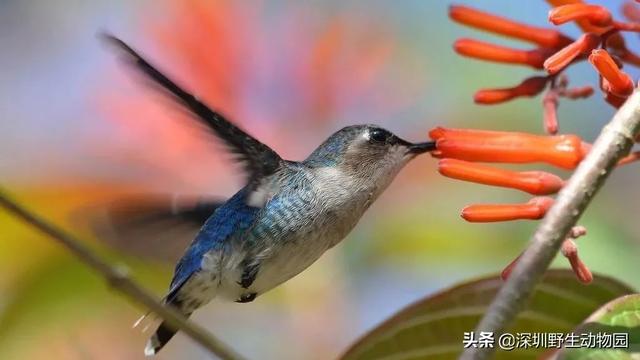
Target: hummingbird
(287,214)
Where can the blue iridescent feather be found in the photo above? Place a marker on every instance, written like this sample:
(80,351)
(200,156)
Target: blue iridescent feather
(234,216)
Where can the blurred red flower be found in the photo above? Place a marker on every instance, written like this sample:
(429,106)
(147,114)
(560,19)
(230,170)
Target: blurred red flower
(285,76)
(320,69)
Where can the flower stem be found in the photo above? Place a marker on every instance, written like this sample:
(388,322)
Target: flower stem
(119,280)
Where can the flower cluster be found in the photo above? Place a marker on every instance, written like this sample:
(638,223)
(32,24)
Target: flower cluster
(461,150)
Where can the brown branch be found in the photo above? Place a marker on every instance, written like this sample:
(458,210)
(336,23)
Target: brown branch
(119,280)
(613,143)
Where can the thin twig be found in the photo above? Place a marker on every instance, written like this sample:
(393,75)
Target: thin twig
(119,280)
(614,142)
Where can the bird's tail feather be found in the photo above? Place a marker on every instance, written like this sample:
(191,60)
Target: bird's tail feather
(160,338)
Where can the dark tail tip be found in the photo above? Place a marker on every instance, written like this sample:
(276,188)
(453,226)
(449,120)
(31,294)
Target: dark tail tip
(163,334)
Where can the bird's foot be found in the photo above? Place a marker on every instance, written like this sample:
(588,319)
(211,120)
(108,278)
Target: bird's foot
(248,274)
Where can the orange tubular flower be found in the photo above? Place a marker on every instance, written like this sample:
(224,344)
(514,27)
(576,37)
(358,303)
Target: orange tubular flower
(564,151)
(619,83)
(583,24)
(535,209)
(594,14)
(533,182)
(614,100)
(484,21)
(489,52)
(529,87)
(566,55)
(602,43)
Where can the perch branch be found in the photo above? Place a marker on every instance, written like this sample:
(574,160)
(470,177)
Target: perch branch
(119,280)
(614,142)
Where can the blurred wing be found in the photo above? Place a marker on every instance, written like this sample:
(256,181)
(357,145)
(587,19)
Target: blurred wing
(152,226)
(259,160)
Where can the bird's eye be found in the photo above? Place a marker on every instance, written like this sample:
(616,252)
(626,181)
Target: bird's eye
(378,135)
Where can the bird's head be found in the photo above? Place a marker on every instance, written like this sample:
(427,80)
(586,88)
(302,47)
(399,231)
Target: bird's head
(367,151)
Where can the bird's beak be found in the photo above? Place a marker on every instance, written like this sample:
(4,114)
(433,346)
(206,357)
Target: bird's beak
(421,148)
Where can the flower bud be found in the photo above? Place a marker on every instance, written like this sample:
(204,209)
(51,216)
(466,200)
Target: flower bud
(490,52)
(535,209)
(533,182)
(566,55)
(529,87)
(484,21)
(618,82)
(595,14)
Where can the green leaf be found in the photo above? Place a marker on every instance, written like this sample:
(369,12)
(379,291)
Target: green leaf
(433,328)
(617,318)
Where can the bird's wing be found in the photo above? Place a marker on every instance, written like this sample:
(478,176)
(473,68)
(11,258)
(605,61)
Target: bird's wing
(231,218)
(259,160)
(153,226)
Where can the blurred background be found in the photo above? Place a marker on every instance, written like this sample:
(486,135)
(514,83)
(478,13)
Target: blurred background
(78,130)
